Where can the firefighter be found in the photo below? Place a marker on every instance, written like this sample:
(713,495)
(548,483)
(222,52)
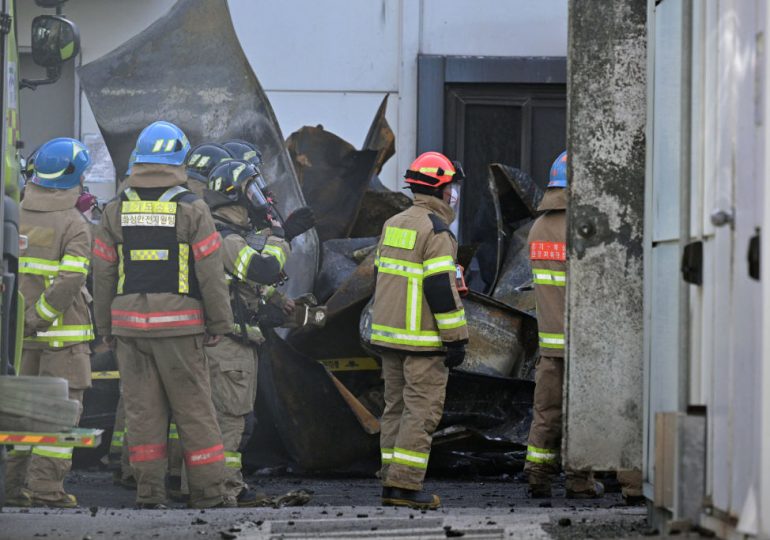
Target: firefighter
(244,150)
(57,322)
(158,287)
(250,261)
(418,324)
(548,255)
(202,160)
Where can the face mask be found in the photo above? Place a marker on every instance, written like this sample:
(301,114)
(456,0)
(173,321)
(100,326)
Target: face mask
(454,198)
(257,205)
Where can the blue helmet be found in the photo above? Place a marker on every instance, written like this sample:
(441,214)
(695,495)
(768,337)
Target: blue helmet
(558,177)
(162,143)
(60,163)
(131,160)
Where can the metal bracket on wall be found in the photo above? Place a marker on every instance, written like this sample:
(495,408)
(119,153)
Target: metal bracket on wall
(755,256)
(5,23)
(692,263)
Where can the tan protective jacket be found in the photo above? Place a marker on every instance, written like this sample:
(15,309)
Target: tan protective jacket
(53,268)
(160,314)
(548,256)
(416,304)
(249,268)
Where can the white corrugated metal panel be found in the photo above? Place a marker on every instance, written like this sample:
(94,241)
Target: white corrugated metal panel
(663,279)
(494,28)
(746,349)
(719,407)
(764,423)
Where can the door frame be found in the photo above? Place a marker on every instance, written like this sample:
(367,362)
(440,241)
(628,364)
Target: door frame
(434,72)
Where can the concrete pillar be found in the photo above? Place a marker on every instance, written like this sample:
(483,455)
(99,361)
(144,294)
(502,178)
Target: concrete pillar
(606,93)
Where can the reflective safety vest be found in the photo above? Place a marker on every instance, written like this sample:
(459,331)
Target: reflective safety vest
(416,304)
(151,259)
(548,256)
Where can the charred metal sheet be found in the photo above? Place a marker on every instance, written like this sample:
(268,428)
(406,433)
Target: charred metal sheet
(485,425)
(197,76)
(315,424)
(514,286)
(339,341)
(605,238)
(338,263)
(99,405)
(482,224)
(518,192)
(333,175)
(376,208)
(380,138)
(503,341)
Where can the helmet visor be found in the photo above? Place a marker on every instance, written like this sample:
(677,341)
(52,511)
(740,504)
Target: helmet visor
(255,195)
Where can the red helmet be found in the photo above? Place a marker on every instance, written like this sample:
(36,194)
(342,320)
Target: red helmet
(434,170)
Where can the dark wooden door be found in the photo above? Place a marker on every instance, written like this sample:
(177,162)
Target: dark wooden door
(522,125)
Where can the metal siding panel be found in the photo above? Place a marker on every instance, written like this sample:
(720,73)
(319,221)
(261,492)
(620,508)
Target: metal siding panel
(667,126)
(663,346)
(510,28)
(607,119)
(746,353)
(721,390)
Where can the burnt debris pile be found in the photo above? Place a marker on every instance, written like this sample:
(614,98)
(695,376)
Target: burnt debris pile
(319,389)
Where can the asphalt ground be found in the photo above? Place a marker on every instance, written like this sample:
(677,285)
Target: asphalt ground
(338,508)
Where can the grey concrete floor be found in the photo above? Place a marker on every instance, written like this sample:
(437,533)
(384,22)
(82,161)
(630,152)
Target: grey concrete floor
(339,508)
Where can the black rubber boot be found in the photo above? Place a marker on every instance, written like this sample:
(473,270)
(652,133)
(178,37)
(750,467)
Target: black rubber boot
(249,497)
(151,506)
(418,500)
(539,485)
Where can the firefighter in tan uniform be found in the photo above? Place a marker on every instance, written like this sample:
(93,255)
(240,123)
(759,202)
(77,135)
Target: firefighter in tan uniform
(53,270)
(418,322)
(199,163)
(548,256)
(159,286)
(251,261)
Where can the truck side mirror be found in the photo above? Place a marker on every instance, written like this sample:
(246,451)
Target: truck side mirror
(55,40)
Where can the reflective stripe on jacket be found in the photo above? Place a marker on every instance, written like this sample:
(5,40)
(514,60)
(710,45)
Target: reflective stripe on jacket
(53,269)
(410,252)
(171,312)
(548,256)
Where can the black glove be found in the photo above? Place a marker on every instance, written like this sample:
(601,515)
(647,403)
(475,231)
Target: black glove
(271,315)
(301,220)
(455,354)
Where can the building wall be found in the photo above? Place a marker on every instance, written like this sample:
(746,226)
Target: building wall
(708,106)
(331,62)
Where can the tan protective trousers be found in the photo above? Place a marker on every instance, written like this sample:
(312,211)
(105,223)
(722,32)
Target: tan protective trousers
(233,366)
(544,445)
(164,377)
(118,456)
(42,469)
(233,370)
(415,388)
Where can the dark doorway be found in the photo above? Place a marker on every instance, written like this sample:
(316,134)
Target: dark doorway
(518,125)
(484,110)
